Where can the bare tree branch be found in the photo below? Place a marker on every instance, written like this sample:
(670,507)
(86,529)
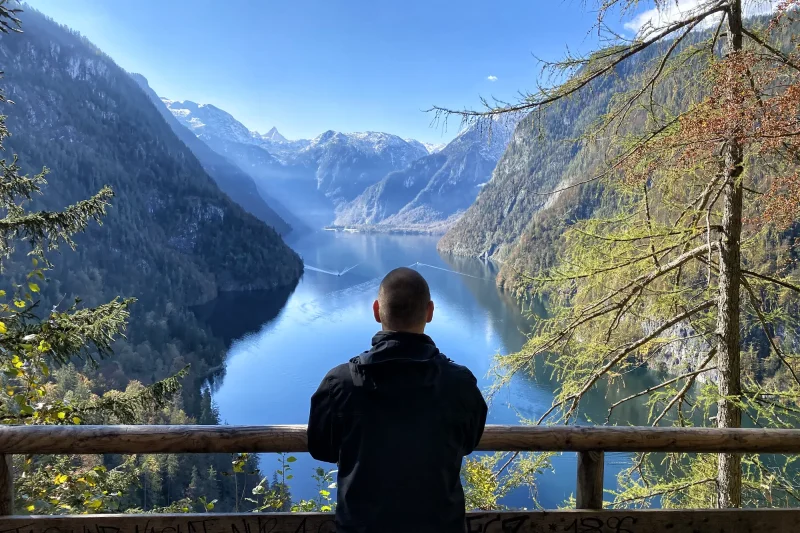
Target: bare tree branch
(776,281)
(686,387)
(619,55)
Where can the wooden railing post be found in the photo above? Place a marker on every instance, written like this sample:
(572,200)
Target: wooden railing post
(590,480)
(6,485)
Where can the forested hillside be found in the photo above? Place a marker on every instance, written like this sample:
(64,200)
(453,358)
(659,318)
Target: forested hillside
(171,238)
(515,219)
(231,179)
(543,153)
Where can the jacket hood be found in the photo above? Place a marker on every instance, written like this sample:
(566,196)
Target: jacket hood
(398,346)
(396,361)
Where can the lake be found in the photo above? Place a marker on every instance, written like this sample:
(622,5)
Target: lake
(282,344)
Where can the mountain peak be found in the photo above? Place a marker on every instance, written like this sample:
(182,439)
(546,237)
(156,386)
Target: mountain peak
(431,148)
(208,121)
(274,136)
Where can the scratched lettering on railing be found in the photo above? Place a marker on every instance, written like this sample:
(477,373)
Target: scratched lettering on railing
(503,523)
(609,521)
(476,523)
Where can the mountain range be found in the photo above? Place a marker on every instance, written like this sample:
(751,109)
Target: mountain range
(370,179)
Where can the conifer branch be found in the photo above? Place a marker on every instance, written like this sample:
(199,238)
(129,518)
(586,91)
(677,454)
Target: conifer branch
(783,58)
(46,229)
(75,332)
(765,328)
(670,489)
(126,405)
(8,18)
(625,108)
(620,354)
(679,397)
(616,164)
(656,387)
(635,345)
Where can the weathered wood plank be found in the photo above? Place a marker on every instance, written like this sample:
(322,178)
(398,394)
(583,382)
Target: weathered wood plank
(590,480)
(648,521)
(6,485)
(232,439)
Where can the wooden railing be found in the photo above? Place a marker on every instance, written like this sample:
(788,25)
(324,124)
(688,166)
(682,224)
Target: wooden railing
(589,442)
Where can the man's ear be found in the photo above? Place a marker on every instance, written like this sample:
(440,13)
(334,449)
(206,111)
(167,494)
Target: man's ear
(429,318)
(376,311)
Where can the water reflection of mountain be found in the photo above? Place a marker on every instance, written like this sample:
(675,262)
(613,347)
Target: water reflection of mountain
(233,315)
(513,323)
(512,320)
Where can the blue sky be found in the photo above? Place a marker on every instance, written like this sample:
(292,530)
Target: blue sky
(307,66)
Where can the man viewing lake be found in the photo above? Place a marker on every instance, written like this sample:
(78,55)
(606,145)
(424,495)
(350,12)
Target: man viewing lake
(398,419)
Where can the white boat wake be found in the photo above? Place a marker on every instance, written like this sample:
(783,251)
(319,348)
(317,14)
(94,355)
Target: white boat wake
(331,272)
(446,270)
(340,273)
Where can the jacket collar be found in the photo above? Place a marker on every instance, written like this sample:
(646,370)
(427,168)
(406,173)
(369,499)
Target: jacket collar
(398,346)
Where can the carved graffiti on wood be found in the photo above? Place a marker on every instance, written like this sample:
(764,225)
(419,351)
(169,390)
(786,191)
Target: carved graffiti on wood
(648,521)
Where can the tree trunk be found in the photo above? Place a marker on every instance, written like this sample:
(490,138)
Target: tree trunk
(729,476)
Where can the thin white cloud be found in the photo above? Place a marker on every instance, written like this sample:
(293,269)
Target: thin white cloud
(670,11)
(491,78)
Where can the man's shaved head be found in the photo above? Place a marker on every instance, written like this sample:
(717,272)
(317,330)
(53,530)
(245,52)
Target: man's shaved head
(404,301)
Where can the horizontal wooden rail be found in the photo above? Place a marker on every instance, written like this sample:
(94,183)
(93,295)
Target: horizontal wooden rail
(261,439)
(590,442)
(647,521)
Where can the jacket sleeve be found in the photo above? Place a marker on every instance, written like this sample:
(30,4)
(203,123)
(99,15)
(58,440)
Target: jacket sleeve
(322,443)
(477,416)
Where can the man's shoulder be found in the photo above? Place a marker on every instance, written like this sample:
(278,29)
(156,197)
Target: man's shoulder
(457,372)
(339,374)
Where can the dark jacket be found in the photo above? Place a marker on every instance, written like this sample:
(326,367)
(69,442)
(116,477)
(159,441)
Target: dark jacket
(398,419)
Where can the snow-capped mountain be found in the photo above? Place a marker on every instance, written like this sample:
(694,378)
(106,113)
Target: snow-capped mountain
(215,125)
(208,121)
(435,189)
(347,163)
(274,135)
(308,176)
(430,148)
(434,148)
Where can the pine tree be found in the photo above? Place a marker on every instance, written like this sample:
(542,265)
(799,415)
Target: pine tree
(689,247)
(34,341)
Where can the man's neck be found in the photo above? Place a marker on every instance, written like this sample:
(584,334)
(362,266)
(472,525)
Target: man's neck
(418,331)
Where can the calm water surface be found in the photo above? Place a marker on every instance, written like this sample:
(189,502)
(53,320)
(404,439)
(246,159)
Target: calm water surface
(281,344)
